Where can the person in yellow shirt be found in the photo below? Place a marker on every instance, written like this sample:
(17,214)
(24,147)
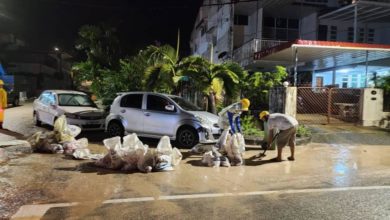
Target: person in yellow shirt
(3,103)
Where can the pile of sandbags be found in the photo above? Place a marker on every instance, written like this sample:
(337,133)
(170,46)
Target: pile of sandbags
(228,151)
(133,155)
(62,140)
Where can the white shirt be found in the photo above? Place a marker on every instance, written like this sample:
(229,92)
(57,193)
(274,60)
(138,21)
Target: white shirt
(281,121)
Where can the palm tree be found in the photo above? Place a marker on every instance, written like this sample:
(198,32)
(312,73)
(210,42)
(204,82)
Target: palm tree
(211,79)
(163,62)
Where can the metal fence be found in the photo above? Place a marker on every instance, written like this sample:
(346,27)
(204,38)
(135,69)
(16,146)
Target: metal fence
(321,105)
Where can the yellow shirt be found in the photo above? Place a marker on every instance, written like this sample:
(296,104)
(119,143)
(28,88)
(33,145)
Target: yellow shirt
(3,98)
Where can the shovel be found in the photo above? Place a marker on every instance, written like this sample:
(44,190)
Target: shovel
(264,146)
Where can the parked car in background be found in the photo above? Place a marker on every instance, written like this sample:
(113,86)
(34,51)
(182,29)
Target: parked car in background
(155,115)
(78,108)
(12,96)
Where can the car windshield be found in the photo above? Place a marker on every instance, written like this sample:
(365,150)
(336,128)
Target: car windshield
(75,100)
(184,104)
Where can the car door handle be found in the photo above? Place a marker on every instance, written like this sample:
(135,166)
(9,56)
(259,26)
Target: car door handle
(147,114)
(123,111)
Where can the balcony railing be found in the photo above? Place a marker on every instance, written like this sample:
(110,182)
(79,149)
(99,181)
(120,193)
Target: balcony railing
(244,54)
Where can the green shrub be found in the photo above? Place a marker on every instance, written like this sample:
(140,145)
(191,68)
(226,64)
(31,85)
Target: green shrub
(249,127)
(303,131)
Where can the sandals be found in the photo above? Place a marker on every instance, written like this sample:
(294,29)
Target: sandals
(290,158)
(275,160)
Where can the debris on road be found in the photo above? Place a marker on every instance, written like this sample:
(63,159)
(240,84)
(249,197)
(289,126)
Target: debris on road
(133,155)
(62,140)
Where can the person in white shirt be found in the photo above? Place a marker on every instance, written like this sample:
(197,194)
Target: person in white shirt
(287,127)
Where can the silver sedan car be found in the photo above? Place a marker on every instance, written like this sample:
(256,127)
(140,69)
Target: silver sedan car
(154,115)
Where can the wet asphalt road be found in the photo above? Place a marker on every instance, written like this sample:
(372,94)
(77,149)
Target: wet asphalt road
(353,160)
(362,204)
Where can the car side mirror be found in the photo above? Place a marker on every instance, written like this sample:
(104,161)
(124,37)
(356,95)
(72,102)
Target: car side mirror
(170,108)
(53,106)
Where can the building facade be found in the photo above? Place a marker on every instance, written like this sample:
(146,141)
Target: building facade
(29,71)
(350,38)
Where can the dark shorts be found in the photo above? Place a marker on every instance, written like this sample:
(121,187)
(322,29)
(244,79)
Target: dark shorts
(286,137)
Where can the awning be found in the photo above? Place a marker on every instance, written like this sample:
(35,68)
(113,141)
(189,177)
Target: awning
(366,11)
(317,55)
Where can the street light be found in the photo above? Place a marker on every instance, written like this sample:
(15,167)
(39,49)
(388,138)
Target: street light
(59,55)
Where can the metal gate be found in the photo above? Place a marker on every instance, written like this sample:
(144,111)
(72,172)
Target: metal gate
(321,105)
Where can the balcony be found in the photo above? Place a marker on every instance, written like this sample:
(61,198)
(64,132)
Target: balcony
(244,54)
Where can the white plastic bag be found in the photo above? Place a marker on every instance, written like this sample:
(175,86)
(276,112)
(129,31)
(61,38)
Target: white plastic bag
(176,156)
(241,142)
(131,152)
(164,146)
(65,132)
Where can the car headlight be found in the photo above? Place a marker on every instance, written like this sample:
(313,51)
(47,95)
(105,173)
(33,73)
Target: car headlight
(70,115)
(202,120)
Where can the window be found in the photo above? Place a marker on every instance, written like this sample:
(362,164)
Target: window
(370,35)
(281,23)
(344,83)
(350,34)
(75,100)
(333,33)
(240,20)
(361,35)
(293,23)
(269,22)
(322,32)
(48,98)
(132,101)
(157,103)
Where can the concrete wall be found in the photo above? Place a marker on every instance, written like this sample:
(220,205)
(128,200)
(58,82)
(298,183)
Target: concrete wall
(291,101)
(283,100)
(371,106)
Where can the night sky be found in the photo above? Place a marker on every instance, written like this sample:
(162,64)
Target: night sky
(42,24)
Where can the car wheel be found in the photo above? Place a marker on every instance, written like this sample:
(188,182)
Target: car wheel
(115,128)
(187,137)
(15,102)
(36,120)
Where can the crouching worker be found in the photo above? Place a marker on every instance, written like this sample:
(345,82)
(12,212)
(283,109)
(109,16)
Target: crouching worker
(229,121)
(287,127)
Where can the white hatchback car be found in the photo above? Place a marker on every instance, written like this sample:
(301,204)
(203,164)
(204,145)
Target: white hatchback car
(78,108)
(155,115)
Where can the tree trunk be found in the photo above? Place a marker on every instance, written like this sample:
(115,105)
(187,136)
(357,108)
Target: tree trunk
(212,107)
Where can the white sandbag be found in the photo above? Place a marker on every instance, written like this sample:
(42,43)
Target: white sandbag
(63,132)
(241,142)
(163,163)
(222,141)
(131,152)
(210,160)
(74,130)
(112,143)
(164,146)
(82,154)
(131,142)
(207,158)
(147,161)
(71,147)
(236,155)
(176,156)
(116,160)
